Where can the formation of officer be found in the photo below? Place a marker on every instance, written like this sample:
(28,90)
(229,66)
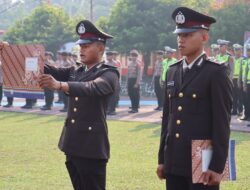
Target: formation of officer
(197,106)
(215,50)
(237,82)
(169,60)
(156,79)
(133,80)
(84,138)
(244,77)
(225,57)
(110,60)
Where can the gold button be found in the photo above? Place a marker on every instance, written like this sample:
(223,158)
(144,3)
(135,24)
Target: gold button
(181,94)
(90,128)
(76,98)
(75,109)
(177,135)
(179,108)
(178,122)
(194,96)
(72,121)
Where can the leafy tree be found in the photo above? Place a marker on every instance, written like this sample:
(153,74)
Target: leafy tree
(47,25)
(232,22)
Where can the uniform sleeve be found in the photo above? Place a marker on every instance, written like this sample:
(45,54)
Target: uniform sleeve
(164,127)
(221,94)
(60,74)
(101,86)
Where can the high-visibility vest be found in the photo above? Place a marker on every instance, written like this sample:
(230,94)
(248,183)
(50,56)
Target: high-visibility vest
(222,58)
(248,73)
(166,63)
(237,65)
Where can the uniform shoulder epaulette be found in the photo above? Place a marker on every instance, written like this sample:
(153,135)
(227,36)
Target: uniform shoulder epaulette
(108,66)
(176,63)
(213,61)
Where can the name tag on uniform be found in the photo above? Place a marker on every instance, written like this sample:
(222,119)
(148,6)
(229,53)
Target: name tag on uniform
(171,83)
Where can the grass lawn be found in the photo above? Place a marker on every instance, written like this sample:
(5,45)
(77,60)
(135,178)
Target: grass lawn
(30,159)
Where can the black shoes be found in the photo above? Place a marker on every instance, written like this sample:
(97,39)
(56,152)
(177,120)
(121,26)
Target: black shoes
(64,110)
(133,111)
(26,107)
(111,113)
(158,108)
(44,108)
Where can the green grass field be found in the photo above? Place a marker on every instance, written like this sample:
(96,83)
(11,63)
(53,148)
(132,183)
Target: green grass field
(30,159)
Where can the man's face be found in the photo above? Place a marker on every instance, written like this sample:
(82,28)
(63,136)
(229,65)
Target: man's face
(64,57)
(133,57)
(223,49)
(91,52)
(169,55)
(159,57)
(190,43)
(110,57)
(238,53)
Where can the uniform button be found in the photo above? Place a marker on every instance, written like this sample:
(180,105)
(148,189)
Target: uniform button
(76,98)
(73,121)
(75,109)
(177,135)
(194,96)
(90,128)
(169,95)
(179,108)
(181,94)
(178,122)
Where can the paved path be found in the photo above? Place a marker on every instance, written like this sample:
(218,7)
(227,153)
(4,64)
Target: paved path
(146,114)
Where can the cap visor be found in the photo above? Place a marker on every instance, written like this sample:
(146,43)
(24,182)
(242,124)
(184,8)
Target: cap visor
(83,41)
(184,30)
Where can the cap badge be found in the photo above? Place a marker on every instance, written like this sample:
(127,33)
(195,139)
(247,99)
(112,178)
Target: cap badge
(81,29)
(180,18)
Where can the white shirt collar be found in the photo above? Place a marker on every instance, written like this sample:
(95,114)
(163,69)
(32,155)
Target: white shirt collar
(185,65)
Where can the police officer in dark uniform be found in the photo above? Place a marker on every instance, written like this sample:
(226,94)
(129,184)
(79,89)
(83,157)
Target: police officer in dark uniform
(84,137)
(197,106)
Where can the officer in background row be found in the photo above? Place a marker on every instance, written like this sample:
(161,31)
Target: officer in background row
(84,138)
(215,50)
(246,85)
(48,93)
(225,56)
(133,80)
(197,106)
(237,83)
(156,80)
(169,60)
(113,99)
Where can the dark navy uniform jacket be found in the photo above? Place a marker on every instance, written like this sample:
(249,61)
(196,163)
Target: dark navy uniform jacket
(197,106)
(85,132)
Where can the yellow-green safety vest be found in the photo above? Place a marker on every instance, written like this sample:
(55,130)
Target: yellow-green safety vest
(166,63)
(222,58)
(237,65)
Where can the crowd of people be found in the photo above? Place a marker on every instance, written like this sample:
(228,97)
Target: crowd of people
(237,63)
